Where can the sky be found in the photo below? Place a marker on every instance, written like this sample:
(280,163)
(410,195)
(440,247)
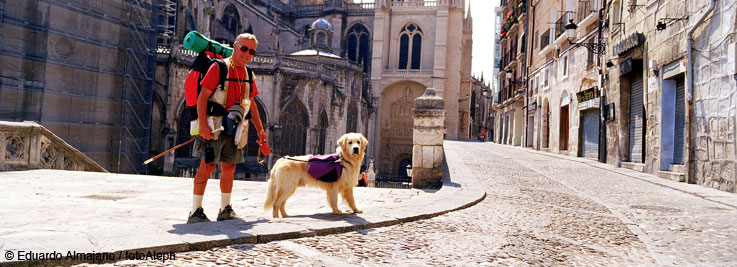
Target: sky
(482,12)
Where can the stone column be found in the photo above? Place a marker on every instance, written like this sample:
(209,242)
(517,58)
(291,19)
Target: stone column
(427,139)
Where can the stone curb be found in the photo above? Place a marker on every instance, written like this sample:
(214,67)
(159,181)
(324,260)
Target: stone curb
(714,195)
(451,197)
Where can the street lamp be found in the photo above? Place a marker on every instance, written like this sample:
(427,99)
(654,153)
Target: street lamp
(509,77)
(409,170)
(596,48)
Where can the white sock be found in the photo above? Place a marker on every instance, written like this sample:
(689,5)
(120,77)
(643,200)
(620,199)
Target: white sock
(196,202)
(224,200)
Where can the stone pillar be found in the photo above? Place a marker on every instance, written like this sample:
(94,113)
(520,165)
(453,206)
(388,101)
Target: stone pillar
(427,139)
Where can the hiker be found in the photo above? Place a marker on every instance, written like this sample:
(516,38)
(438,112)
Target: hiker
(219,147)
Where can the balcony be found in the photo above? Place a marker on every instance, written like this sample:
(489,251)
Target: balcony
(521,11)
(587,13)
(407,73)
(560,24)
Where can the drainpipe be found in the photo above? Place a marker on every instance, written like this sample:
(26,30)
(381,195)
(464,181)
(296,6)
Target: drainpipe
(689,78)
(602,90)
(528,62)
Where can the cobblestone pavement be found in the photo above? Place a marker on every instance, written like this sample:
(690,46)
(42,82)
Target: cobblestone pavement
(540,210)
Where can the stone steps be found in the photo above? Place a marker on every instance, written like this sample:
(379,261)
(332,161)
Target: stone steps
(673,176)
(640,167)
(677,168)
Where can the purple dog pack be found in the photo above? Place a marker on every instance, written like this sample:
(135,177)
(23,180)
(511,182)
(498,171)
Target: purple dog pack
(325,168)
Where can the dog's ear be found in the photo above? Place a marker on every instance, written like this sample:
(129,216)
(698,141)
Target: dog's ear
(364,142)
(341,140)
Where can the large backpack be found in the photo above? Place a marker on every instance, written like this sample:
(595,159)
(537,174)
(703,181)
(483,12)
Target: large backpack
(197,72)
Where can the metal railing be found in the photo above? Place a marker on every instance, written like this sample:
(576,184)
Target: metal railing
(407,72)
(393,181)
(419,4)
(351,8)
(562,22)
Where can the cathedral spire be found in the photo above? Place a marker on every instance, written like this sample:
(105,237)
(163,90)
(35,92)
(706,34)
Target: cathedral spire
(468,12)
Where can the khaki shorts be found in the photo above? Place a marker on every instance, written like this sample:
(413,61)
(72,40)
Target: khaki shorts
(224,148)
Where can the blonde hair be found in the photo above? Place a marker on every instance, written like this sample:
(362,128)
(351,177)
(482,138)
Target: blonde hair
(246,36)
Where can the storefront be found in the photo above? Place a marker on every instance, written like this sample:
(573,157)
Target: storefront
(588,106)
(631,84)
(673,117)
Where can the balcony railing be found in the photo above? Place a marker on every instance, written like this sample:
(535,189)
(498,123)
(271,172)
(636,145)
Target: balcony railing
(420,4)
(562,22)
(586,8)
(407,72)
(353,8)
(29,145)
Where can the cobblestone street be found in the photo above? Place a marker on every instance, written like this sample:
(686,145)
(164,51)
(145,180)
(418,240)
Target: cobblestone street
(540,209)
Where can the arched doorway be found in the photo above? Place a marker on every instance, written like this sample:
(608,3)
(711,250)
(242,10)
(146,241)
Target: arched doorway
(185,162)
(546,124)
(565,100)
(293,133)
(395,123)
(159,128)
(322,127)
(352,120)
(252,146)
(401,168)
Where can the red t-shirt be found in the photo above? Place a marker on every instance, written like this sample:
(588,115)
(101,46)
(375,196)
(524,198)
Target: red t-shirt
(235,89)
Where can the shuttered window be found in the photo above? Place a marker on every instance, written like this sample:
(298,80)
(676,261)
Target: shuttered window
(590,133)
(637,119)
(678,136)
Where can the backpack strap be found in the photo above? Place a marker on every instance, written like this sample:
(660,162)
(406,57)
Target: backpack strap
(250,78)
(223,67)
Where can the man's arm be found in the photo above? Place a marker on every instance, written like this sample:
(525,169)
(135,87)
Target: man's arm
(202,98)
(256,120)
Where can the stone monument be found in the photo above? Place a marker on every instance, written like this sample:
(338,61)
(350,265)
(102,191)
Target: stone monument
(427,140)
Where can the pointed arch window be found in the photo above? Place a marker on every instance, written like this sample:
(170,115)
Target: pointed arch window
(231,19)
(357,45)
(410,47)
(293,134)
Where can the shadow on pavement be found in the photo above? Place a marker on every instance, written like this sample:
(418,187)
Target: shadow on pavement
(446,174)
(232,228)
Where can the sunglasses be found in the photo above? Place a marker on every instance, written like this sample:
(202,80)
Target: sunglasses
(245,49)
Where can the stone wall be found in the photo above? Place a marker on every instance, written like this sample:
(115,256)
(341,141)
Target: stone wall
(714,100)
(28,145)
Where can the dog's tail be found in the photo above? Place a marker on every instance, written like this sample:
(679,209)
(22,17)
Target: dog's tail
(271,193)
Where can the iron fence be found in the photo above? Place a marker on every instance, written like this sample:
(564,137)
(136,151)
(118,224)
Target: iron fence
(393,181)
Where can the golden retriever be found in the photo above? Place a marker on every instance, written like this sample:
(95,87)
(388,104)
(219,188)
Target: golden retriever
(289,173)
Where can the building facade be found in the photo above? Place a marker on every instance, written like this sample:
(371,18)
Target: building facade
(325,68)
(511,107)
(482,119)
(647,86)
(672,79)
(418,44)
(85,72)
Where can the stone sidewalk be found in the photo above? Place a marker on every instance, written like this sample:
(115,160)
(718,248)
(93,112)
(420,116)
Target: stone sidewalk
(45,211)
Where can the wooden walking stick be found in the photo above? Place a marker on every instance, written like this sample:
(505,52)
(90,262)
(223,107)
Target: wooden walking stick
(178,146)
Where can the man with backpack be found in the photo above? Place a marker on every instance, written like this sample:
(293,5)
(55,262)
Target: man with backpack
(235,91)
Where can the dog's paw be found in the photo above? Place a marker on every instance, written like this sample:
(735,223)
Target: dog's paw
(357,211)
(337,212)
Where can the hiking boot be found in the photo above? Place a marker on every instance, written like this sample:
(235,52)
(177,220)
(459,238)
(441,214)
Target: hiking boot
(198,216)
(227,214)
